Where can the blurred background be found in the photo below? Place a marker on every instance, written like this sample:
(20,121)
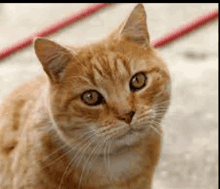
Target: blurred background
(190,149)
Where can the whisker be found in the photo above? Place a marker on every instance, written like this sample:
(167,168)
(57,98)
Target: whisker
(169,115)
(163,102)
(72,148)
(111,177)
(97,151)
(104,128)
(71,141)
(114,131)
(155,129)
(156,123)
(95,148)
(84,151)
(161,107)
(73,159)
(105,156)
(142,116)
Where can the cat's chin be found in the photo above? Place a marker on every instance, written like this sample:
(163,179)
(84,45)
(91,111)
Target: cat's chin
(123,143)
(129,134)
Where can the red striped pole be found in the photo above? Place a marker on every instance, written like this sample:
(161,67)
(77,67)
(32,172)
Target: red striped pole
(52,28)
(186,28)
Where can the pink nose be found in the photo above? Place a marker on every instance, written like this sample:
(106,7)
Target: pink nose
(127,117)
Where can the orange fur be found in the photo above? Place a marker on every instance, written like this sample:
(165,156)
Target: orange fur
(51,139)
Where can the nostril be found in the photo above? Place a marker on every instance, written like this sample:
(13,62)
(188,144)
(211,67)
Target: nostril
(129,116)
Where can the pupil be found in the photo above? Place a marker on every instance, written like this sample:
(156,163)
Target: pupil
(137,80)
(90,96)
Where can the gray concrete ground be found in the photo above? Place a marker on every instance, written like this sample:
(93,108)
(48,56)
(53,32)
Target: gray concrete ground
(190,149)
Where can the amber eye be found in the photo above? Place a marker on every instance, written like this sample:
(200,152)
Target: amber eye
(138,81)
(92,97)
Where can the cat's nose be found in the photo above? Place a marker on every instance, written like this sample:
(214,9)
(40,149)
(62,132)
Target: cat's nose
(127,117)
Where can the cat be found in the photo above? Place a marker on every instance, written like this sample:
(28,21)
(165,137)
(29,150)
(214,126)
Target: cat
(93,120)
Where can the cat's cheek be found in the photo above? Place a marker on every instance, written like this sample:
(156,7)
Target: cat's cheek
(150,95)
(86,112)
(146,99)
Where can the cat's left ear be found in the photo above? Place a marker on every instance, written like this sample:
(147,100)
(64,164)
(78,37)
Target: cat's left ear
(53,57)
(134,28)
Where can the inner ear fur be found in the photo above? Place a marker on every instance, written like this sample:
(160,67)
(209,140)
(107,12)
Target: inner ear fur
(52,56)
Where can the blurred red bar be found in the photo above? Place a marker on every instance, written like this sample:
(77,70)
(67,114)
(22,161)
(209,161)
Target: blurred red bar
(184,29)
(52,28)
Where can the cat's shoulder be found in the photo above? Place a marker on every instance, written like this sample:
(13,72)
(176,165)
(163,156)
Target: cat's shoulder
(15,109)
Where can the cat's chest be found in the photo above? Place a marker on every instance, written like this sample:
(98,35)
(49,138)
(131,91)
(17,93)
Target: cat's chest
(121,167)
(126,165)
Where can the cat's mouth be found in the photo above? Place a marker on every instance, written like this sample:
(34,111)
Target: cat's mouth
(130,132)
(124,142)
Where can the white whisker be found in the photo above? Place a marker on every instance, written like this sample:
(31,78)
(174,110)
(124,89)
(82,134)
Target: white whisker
(87,144)
(97,146)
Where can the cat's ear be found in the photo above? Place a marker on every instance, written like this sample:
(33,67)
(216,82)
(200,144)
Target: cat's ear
(52,56)
(134,28)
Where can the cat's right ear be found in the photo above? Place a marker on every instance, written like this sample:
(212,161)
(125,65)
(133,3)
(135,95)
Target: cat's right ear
(134,28)
(52,56)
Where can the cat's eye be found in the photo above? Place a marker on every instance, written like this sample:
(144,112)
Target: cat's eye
(138,81)
(92,97)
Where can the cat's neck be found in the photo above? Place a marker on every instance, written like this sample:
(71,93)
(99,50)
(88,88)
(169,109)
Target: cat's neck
(126,165)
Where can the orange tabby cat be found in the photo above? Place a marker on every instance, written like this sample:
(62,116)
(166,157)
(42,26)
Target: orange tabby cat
(93,120)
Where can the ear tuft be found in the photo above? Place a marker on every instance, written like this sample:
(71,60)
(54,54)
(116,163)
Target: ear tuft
(52,56)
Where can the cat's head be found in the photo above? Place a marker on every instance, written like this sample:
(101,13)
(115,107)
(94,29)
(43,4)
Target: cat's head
(116,89)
